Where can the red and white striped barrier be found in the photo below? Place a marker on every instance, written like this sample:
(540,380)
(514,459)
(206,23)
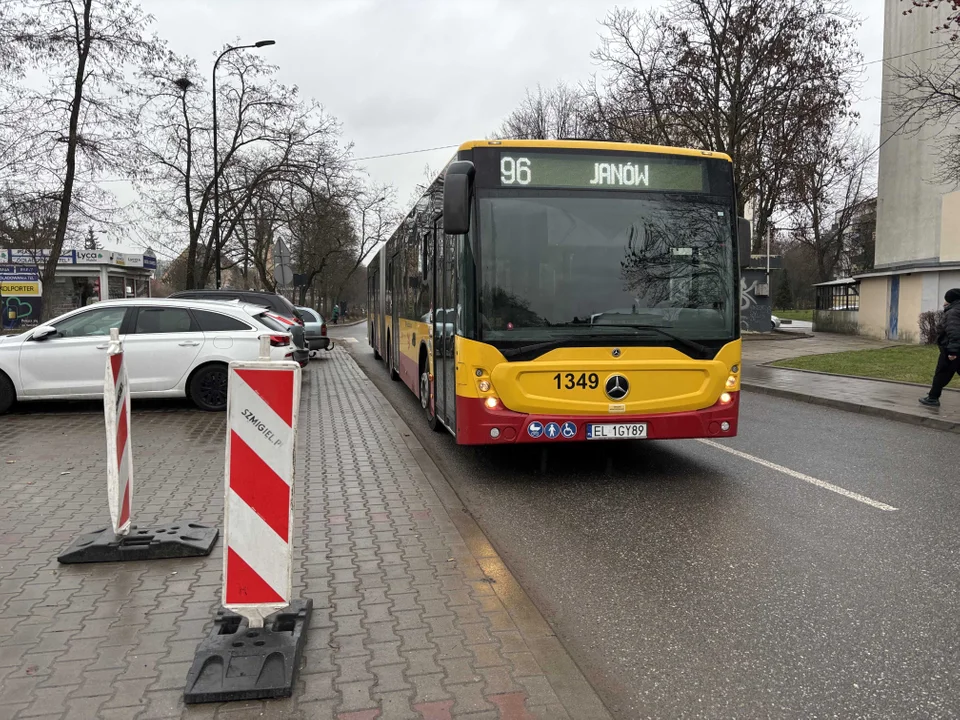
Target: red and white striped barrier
(129,542)
(263,402)
(116,411)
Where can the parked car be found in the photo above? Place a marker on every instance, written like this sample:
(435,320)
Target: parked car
(315,330)
(774,321)
(173,348)
(280,308)
(282,323)
(274,302)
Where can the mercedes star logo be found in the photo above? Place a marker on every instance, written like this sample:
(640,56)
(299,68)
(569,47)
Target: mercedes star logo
(617,387)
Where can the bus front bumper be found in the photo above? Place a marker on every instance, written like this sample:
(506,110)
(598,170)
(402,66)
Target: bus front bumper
(479,425)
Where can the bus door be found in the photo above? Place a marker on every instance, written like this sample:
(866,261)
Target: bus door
(392,317)
(436,315)
(447,299)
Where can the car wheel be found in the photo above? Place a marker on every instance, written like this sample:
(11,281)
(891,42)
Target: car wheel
(208,388)
(8,394)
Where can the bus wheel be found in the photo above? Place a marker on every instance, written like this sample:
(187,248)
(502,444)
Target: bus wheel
(394,375)
(432,421)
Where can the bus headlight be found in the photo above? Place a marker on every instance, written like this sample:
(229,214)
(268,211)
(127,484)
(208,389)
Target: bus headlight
(731,382)
(726,399)
(484,386)
(492,403)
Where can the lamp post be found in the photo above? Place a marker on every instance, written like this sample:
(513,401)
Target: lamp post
(216,156)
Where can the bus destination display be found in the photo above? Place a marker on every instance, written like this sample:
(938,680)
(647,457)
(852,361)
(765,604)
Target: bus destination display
(601,172)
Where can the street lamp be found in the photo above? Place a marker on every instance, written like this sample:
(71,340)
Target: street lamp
(216,157)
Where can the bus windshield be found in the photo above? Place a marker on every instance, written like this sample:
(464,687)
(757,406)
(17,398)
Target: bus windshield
(559,263)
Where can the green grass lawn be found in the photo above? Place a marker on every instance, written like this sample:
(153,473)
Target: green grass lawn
(794,315)
(909,363)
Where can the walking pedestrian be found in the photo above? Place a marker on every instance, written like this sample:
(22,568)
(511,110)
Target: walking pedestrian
(949,341)
(336,314)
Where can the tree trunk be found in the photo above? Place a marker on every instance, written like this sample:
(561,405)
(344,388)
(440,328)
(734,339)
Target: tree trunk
(73,140)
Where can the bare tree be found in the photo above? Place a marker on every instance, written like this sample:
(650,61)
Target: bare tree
(831,186)
(28,222)
(927,99)
(560,112)
(950,24)
(80,122)
(268,134)
(335,222)
(749,78)
(256,233)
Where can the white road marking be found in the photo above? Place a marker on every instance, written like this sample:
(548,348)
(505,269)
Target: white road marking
(800,476)
(349,339)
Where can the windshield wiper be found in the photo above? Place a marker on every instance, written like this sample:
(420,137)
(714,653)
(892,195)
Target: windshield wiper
(683,342)
(550,344)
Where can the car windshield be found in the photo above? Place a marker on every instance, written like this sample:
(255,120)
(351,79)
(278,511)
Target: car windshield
(559,264)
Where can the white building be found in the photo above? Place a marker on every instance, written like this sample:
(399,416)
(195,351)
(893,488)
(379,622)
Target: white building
(918,221)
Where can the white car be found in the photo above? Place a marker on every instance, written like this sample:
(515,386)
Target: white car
(774,321)
(172,348)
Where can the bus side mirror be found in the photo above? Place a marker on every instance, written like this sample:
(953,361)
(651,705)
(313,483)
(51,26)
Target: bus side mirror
(457,185)
(744,240)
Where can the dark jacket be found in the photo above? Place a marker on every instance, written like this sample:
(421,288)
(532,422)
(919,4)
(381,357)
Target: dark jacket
(949,338)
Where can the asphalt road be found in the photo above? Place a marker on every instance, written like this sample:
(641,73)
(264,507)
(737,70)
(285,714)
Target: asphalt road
(813,574)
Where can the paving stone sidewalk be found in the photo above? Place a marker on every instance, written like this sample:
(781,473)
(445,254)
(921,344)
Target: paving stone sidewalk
(415,615)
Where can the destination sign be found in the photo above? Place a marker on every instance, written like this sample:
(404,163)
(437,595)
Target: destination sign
(602,172)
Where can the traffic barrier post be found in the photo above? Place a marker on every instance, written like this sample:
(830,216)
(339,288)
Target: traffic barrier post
(257,641)
(128,541)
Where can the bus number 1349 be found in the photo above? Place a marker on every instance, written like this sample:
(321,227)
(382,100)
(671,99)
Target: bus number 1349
(569,381)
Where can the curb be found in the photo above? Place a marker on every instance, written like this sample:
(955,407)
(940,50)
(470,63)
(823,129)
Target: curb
(349,324)
(886,413)
(576,694)
(773,366)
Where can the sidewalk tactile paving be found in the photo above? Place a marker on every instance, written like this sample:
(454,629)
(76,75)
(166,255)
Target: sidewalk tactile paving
(406,622)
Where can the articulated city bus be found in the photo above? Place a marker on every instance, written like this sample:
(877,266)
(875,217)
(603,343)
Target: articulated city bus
(550,291)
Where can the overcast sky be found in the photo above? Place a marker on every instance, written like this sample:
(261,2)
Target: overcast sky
(402,75)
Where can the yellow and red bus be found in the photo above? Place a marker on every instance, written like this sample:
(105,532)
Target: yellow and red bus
(551,291)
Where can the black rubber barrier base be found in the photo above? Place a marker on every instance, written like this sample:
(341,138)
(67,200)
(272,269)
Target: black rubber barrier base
(239,663)
(177,540)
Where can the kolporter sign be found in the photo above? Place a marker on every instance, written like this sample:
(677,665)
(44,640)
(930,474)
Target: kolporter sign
(602,172)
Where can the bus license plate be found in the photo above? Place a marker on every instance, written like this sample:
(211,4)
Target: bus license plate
(618,431)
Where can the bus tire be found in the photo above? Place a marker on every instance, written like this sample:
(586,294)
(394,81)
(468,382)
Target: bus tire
(394,375)
(425,392)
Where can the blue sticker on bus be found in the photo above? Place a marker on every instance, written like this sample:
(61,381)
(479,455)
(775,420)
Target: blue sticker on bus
(568,430)
(535,429)
(552,430)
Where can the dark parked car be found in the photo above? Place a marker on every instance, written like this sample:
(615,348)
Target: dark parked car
(301,352)
(315,330)
(276,303)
